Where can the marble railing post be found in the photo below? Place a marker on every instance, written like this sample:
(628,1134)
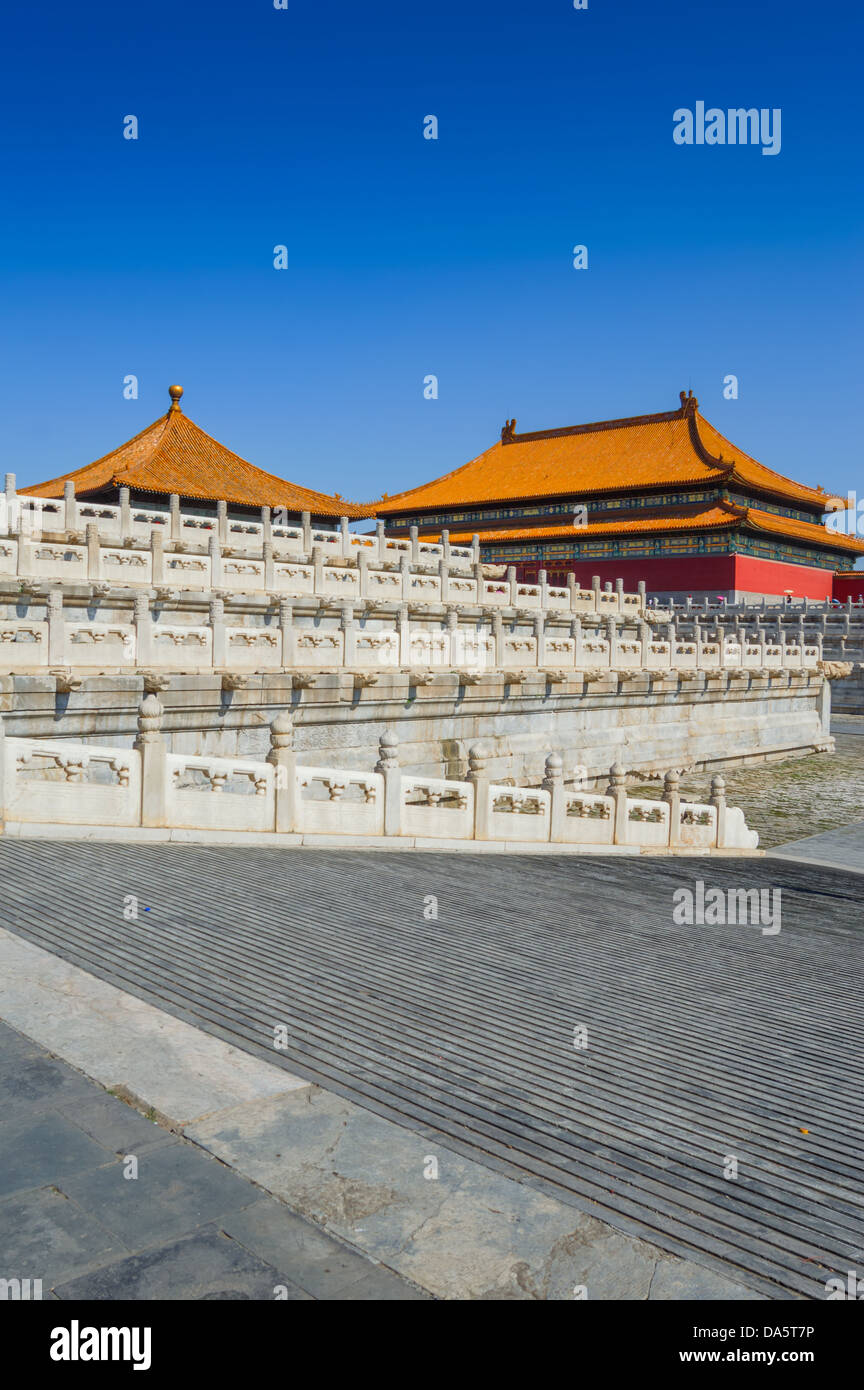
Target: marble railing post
(543,581)
(540,637)
(56,629)
(94,553)
(222,522)
(405,567)
(216,618)
(640,589)
(480,778)
(11,500)
(672,797)
(445,545)
(176,528)
(214,547)
(475,549)
(498,639)
(125,516)
(269,566)
(266,526)
(70,507)
(444,574)
(157,555)
(718,801)
(415,545)
(553,782)
(363,573)
(349,629)
(154,762)
(388,766)
(143,630)
(595,589)
(513,585)
(612,639)
(576,634)
(617,789)
(644,639)
(381,539)
(317,570)
(289,637)
(404,636)
(572,588)
(283,759)
(306,524)
(345,541)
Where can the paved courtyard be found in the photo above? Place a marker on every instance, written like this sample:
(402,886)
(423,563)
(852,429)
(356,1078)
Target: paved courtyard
(455,996)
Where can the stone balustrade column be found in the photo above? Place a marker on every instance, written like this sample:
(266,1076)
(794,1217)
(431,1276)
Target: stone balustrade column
(349,629)
(346,547)
(154,763)
(718,801)
(672,797)
(475,549)
(405,567)
(176,528)
(318,570)
(480,778)
(306,524)
(578,651)
(266,526)
(10,498)
(56,629)
(214,549)
(553,782)
(157,555)
(216,617)
(612,639)
(70,507)
(445,545)
(381,539)
(363,573)
(540,637)
(126,524)
(698,640)
(498,640)
(640,589)
(143,621)
(617,789)
(619,590)
(94,552)
(415,545)
(222,522)
(289,636)
(543,581)
(269,566)
(388,766)
(513,586)
(283,759)
(444,575)
(595,590)
(645,636)
(572,590)
(404,636)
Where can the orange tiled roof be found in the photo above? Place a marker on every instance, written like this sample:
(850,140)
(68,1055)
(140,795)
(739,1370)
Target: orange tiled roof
(725,515)
(173,455)
(676,448)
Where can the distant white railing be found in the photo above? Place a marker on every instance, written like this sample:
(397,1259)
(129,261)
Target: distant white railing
(51,783)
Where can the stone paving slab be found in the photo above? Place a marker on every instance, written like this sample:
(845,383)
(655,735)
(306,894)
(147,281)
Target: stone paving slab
(836,849)
(70,1218)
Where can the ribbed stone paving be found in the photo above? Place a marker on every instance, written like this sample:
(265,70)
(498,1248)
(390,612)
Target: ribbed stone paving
(704,1043)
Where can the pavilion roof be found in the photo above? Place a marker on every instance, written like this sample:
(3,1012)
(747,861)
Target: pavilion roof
(174,455)
(721,516)
(674,449)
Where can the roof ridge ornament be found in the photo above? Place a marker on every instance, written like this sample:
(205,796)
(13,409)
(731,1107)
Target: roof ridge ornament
(508,432)
(175,392)
(689,403)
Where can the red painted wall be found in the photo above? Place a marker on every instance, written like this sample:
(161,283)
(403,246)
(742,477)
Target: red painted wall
(698,575)
(850,585)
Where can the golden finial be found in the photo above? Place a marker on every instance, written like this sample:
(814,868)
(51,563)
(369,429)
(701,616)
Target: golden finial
(175,392)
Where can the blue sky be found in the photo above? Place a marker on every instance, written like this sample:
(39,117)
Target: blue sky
(410,257)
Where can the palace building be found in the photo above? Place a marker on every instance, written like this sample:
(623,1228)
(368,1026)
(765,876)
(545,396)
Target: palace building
(665,498)
(173,456)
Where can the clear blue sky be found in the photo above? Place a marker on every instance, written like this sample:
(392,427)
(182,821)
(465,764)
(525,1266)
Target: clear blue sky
(408,257)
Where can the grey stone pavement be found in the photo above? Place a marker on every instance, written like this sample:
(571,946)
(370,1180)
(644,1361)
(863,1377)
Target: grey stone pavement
(187,1227)
(835,849)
